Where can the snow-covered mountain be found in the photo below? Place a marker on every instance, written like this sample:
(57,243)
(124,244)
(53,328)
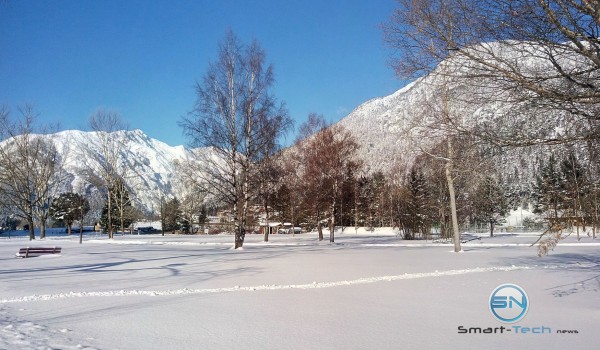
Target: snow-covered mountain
(392,130)
(380,126)
(151,162)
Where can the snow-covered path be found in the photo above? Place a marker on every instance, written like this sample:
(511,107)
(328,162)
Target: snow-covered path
(293,293)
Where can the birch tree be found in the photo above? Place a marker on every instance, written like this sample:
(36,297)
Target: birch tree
(234,117)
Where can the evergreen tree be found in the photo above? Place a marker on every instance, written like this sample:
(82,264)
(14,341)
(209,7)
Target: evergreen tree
(573,183)
(172,216)
(575,187)
(69,207)
(491,202)
(419,207)
(547,191)
(414,207)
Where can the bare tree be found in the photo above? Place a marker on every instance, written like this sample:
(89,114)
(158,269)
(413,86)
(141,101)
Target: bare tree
(290,194)
(270,168)
(232,112)
(529,68)
(537,62)
(192,202)
(28,168)
(105,163)
(326,156)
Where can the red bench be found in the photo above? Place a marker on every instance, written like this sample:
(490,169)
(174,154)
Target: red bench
(30,252)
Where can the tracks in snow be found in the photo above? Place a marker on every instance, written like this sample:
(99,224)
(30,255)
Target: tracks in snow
(271,287)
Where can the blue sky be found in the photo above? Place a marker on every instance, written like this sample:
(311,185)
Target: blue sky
(141,58)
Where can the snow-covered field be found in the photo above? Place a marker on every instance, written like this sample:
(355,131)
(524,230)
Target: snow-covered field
(366,291)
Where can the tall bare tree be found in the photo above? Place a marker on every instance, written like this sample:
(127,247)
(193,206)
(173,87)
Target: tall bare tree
(326,156)
(233,117)
(105,163)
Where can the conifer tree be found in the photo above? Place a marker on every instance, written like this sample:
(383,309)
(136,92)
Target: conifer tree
(491,203)
(547,190)
(574,186)
(419,202)
(172,215)
(69,207)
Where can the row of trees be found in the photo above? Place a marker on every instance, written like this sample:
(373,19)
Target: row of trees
(28,172)
(240,122)
(319,190)
(176,216)
(35,188)
(320,180)
(508,74)
(567,193)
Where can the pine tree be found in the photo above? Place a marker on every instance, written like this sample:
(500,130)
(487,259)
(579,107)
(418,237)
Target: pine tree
(69,207)
(172,216)
(419,207)
(547,191)
(491,202)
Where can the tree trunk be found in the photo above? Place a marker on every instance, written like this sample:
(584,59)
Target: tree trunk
(69,226)
(268,228)
(491,229)
(31,229)
(109,216)
(162,215)
(319,228)
(245,204)
(332,223)
(43,229)
(122,225)
(456,232)
(240,234)
(332,214)
(293,222)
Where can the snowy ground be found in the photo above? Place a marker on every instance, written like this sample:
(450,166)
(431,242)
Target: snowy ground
(366,291)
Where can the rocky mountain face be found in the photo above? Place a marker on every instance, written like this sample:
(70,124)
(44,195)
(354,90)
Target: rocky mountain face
(151,163)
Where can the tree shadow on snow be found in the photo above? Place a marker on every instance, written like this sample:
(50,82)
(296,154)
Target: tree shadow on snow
(568,262)
(175,262)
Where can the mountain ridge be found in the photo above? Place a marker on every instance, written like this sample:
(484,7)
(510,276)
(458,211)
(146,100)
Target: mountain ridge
(152,162)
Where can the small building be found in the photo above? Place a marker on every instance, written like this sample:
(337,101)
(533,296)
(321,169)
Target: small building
(272,227)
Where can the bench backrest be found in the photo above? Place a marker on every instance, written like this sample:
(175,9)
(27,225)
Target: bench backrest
(26,252)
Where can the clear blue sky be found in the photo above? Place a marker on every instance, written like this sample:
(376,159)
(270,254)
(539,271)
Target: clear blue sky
(141,58)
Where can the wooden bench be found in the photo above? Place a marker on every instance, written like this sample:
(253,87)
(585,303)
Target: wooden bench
(30,252)
(470,239)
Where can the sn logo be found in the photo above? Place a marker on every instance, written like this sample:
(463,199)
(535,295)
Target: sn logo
(508,303)
(499,302)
